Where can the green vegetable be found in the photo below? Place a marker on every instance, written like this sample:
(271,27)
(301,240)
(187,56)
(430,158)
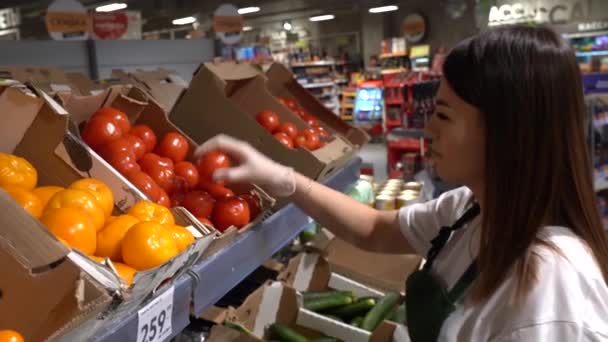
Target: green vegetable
(323,294)
(399,315)
(324,339)
(380,311)
(308,234)
(328,302)
(237,327)
(285,334)
(360,307)
(356,322)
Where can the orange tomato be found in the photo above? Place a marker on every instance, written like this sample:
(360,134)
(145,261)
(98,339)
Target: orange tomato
(44,193)
(79,199)
(103,194)
(10,336)
(182,236)
(126,272)
(147,245)
(72,225)
(26,199)
(109,238)
(17,171)
(149,211)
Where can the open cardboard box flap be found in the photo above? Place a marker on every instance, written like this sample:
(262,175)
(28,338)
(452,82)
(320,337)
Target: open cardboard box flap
(281,82)
(49,79)
(46,293)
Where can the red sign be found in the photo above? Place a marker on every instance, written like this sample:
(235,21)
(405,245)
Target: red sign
(111,25)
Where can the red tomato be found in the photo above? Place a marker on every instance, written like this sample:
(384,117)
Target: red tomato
(151,160)
(199,203)
(312,138)
(173,146)
(146,134)
(268,119)
(205,221)
(254,203)
(300,112)
(163,199)
(118,117)
(300,141)
(321,144)
(119,153)
(311,120)
(284,139)
(177,198)
(322,132)
(138,145)
(188,172)
(287,128)
(216,190)
(210,162)
(232,211)
(163,176)
(291,104)
(99,131)
(145,184)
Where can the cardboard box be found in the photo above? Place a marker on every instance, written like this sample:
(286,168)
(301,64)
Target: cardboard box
(40,131)
(225,98)
(44,293)
(281,82)
(82,83)
(165,86)
(48,79)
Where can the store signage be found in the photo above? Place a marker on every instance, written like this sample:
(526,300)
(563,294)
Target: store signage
(228,24)
(414,27)
(67,19)
(110,25)
(593,26)
(9,17)
(154,321)
(541,11)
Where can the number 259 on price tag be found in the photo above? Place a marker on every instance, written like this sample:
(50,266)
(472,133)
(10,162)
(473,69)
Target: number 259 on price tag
(154,322)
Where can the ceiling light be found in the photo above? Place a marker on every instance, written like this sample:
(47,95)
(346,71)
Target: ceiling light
(111,7)
(247,10)
(287,26)
(184,21)
(383,9)
(322,17)
(247,28)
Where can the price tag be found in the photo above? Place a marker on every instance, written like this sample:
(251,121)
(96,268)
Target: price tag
(154,320)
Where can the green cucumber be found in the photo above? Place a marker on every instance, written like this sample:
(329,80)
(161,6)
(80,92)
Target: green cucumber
(380,311)
(324,339)
(356,322)
(323,294)
(360,307)
(286,334)
(330,302)
(237,327)
(399,315)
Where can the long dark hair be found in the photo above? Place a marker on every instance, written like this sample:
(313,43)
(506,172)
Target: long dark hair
(527,84)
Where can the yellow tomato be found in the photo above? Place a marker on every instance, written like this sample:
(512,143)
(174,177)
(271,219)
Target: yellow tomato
(10,336)
(109,238)
(26,199)
(152,212)
(73,226)
(126,272)
(17,171)
(147,245)
(44,193)
(182,236)
(79,199)
(100,190)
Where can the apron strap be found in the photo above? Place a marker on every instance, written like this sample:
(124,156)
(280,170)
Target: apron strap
(445,232)
(463,283)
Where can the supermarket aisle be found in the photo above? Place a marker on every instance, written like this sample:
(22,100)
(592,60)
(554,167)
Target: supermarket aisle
(375,154)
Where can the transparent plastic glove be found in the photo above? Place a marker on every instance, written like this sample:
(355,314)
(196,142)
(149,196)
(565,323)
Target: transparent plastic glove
(252,167)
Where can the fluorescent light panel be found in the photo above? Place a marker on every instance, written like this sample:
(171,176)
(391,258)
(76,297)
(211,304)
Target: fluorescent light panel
(184,21)
(247,10)
(247,28)
(322,17)
(111,7)
(383,9)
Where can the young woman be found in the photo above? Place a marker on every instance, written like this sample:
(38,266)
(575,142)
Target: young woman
(516,254)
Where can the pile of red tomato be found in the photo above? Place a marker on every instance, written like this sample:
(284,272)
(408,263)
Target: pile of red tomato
(312,138)
(160,169)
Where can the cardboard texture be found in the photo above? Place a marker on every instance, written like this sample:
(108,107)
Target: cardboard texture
(44,294)
(48,79)
(281,82)
(82,83)
(224,98)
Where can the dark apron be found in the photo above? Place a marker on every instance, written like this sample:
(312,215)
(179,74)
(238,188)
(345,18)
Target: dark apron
(428,303)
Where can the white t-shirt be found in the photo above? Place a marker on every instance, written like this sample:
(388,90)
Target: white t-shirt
(569,303)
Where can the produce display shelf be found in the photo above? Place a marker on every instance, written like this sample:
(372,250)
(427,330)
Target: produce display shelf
(214,277)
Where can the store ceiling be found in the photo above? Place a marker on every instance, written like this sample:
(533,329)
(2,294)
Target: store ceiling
(158,14)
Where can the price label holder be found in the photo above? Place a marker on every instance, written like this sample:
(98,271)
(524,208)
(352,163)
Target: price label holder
(154,320)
